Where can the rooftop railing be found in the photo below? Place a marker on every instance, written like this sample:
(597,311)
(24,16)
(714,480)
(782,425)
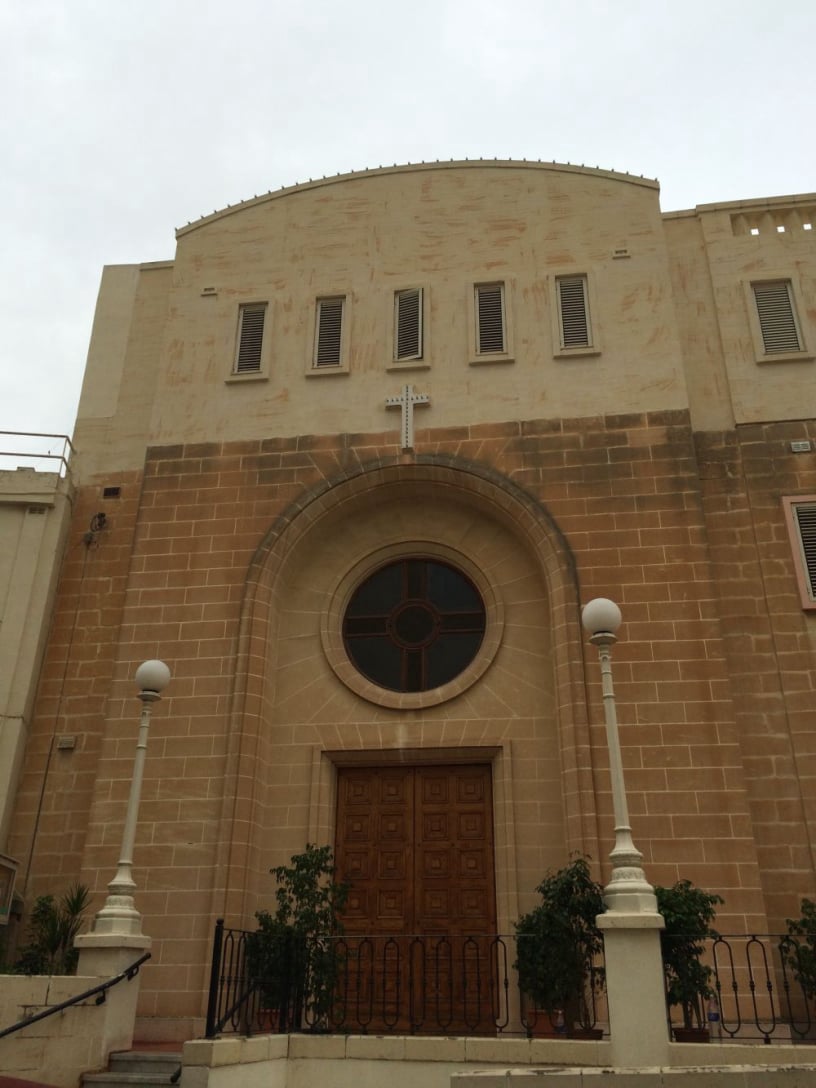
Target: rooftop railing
(41,451)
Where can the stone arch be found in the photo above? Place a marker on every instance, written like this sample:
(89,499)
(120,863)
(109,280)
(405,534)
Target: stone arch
(337,500)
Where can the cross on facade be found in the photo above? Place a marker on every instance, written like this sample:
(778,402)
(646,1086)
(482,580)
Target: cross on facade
(406,401)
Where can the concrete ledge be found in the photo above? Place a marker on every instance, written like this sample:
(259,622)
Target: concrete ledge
(434,1048)
(498,1051)
(376,1061)
(380,1047)
(317,1046)
(570,1052)
(718,1055)
(702,1076)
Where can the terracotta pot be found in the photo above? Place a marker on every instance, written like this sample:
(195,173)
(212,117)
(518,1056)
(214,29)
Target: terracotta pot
(585,1033)
(268,1020)
(548,1026)
(691,1035)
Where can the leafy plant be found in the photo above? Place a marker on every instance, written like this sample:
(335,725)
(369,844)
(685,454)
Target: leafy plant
(52,928)
(800,950)
(558,942)
(292,957)
(688,912)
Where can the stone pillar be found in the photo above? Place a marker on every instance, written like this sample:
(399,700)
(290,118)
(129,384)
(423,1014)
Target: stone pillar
(638,1023)
(105,956)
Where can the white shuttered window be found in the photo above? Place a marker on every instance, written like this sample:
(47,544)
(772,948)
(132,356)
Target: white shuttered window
(573,312)
(251,320)
(328,349)
(408,324)
(777,317)
(491,328)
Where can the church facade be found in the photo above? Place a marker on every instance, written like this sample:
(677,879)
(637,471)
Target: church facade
(364,448)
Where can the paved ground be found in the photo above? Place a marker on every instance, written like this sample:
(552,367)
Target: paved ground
(18,1082)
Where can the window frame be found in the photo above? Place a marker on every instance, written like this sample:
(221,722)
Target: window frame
(755,320)
(477,356)
(261,372)
(560,349)
(806,582)
(341,366)
(400,361)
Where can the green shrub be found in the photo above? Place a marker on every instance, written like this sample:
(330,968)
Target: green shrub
(688,912)
(800,953)
(52,927)
(558,941)
(291,956)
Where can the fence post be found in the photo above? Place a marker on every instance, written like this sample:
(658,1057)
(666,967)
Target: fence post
(215,973)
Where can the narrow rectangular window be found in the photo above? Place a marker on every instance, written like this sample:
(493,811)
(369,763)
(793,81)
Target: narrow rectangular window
(805,521)
(251,321)
(329,332)
(490,319)
(573,312)
(408,324)
(777,317)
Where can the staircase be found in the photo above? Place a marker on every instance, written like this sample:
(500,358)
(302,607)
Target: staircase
(135,1069)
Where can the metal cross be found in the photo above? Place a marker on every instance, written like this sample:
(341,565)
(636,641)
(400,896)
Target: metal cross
(406,401)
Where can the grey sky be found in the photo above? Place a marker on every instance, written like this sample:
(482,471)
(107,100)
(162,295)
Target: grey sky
(120,122)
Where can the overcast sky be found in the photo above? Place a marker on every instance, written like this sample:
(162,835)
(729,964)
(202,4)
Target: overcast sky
(121,121)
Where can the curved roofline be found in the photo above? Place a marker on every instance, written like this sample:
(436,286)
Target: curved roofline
(409,168)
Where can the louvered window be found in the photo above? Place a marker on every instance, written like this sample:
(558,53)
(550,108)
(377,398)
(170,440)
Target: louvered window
(805,517)
(329,332)
(408,324)
(777,317)
(573,312)
(490,319)
(251,321)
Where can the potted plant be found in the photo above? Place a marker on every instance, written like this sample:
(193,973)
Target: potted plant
(292,957)
(798,951)
(558,943)
(688,912)
(52,927)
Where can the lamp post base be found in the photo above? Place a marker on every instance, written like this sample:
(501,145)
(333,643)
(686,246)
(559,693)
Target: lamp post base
(639,1034)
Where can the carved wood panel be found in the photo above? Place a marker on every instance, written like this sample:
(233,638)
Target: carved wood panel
(417,845)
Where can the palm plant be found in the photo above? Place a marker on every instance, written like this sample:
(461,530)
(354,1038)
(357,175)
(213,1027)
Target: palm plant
(52,928)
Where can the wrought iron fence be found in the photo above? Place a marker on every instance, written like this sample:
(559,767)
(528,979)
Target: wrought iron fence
(761,986)
(406,984)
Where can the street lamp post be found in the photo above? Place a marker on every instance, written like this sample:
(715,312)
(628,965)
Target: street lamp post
(628,890)
(631,925)
(119,915)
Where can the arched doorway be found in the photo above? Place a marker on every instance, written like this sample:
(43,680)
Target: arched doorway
(304,712)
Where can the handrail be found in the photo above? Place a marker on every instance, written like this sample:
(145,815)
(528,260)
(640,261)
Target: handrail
(100,990)
(63,457)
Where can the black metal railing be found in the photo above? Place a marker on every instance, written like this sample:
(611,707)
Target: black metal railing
(757,989)
(98,993)
(406,984)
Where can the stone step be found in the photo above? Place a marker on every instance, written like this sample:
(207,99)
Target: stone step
(135,1069)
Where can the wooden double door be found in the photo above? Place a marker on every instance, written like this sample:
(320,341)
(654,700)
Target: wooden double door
(416,843)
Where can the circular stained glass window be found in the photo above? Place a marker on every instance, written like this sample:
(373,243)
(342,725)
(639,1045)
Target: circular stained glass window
(414,625)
